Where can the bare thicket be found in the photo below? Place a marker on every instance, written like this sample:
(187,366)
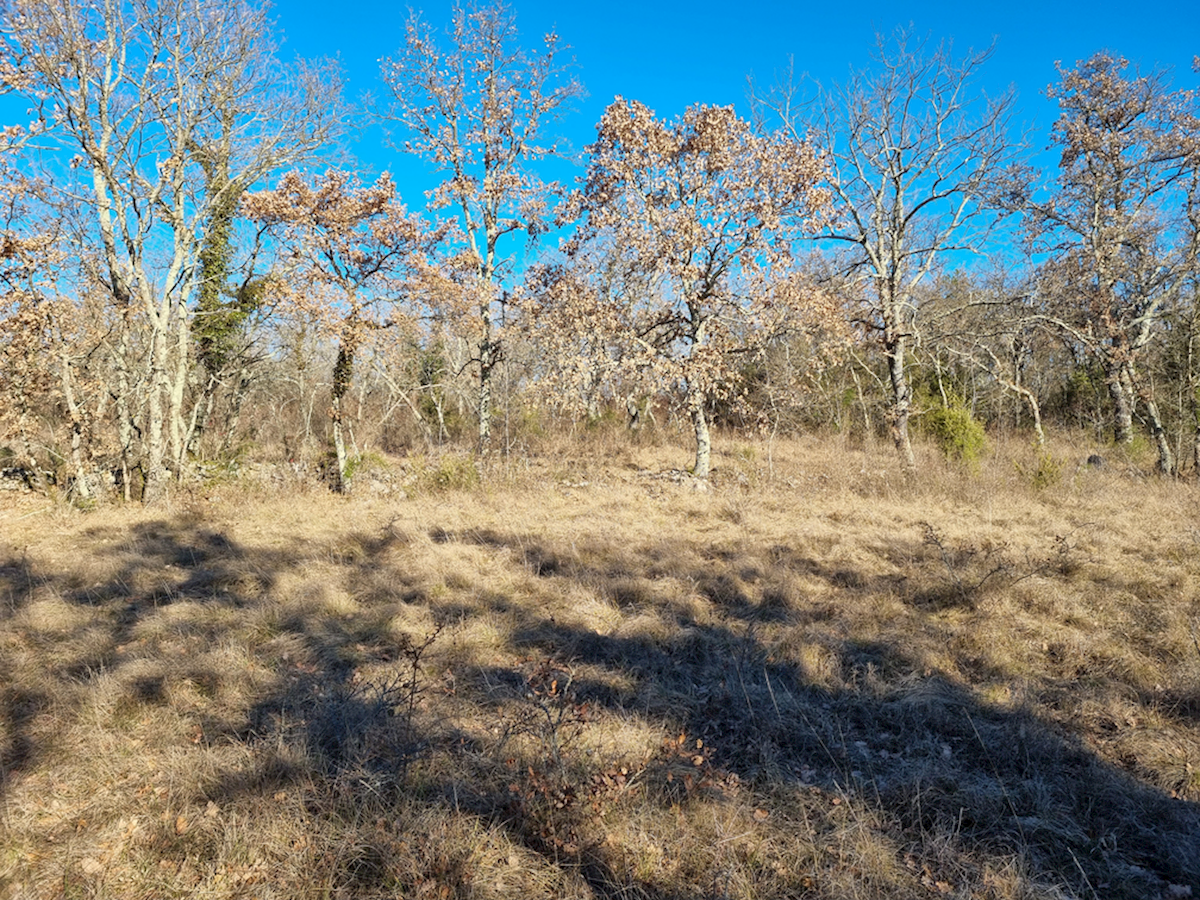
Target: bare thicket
(174,304)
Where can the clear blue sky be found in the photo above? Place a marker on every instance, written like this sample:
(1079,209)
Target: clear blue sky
(671,54)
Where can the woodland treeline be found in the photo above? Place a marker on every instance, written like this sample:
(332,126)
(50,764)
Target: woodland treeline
(192,265)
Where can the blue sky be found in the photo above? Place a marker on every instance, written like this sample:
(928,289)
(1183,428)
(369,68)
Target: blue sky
(671,54)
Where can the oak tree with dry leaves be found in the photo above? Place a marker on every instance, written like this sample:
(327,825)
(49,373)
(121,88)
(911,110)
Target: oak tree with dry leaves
(479,109)
(351,259)
(1121,223)
(706,211)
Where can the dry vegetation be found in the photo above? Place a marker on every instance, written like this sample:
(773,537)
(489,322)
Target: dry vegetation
(581,677)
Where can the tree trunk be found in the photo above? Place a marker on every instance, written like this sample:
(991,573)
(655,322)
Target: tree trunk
(1122,399)
(123,412)
(200,413)
(901,402)
(82,488)
(1196,447)
(486,363)
(1166,459)
(342,371)
(155,488)
(1037,419)
(634,412)
(1194,405)
(862,402)
(235,413)
(1035,409)
(1193,386)
(180,432)
(703,441)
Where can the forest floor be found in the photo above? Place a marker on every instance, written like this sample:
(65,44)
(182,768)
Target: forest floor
(583,677)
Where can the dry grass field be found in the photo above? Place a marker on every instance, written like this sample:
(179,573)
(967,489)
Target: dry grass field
(581,677)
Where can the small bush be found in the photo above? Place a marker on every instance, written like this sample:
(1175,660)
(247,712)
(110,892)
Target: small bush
(531,422)
(958,434)
(1047,472)
(605,419)
(449,473)
(363,464)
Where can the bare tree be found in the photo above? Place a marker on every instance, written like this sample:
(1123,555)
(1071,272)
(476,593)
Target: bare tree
(137,90)
(1120,223)
(914,150)
(479,111)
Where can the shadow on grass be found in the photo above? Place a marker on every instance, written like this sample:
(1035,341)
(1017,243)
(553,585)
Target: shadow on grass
(925,751)
(932,759)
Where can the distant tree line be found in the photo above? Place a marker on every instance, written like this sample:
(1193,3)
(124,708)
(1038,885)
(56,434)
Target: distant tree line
(190,265)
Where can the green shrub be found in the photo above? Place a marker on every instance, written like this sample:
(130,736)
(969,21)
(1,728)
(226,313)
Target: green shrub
(1046,473)
(958,434)
(450,473)
(604,420)
(364,463)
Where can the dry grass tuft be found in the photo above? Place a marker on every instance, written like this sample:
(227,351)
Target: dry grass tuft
(575,675)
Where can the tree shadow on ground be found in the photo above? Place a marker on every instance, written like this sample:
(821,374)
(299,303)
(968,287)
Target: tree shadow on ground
(925,752)
(919,746)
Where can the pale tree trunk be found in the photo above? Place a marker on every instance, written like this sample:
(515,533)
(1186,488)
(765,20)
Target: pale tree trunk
(1194,404)
(487,361)
(901,401)
(180,432)
(1014,384)
(1030,398)
(130,281)
(441,417)
(123,412)
(862,402)
(1122,398)
(634,412)
(341,483)
(703,440)
(76,414)
(1193,382)
(82,487)
(156,416)
(1166,458)
(1036,410)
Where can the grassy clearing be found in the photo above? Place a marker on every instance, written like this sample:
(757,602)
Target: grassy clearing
(581,677)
